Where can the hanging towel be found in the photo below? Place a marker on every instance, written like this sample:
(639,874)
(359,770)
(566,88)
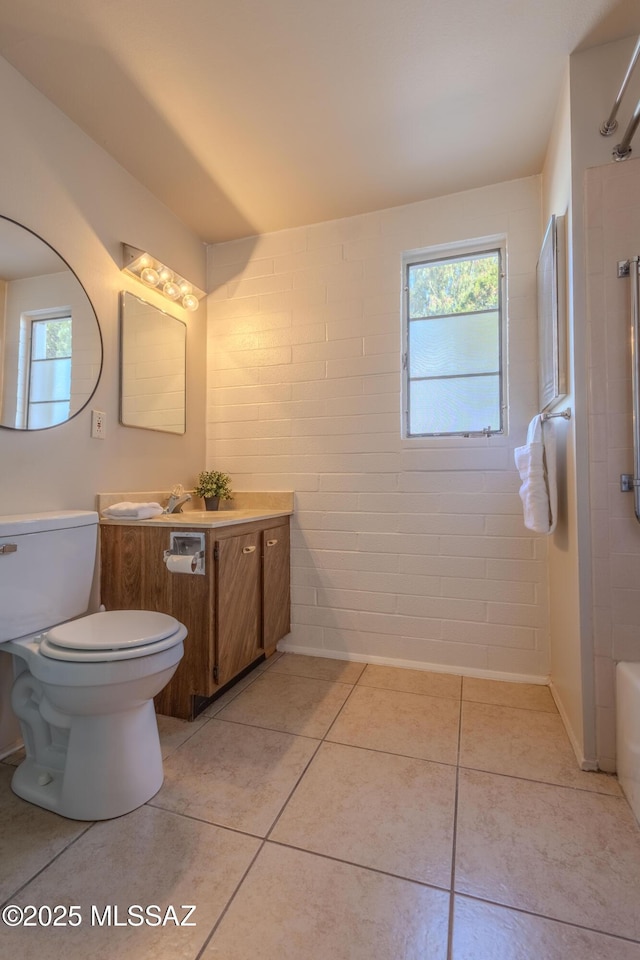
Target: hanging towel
(536,463)
(132,511)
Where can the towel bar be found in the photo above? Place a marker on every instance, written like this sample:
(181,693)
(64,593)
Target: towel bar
(565,414)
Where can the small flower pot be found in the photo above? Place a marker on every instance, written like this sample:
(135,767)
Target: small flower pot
(211,503)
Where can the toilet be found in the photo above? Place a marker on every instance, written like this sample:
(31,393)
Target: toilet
(84,684)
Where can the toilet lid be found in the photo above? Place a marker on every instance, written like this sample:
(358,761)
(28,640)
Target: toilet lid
(123,632)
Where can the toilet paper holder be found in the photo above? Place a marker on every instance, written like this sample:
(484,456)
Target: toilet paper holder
(187,545)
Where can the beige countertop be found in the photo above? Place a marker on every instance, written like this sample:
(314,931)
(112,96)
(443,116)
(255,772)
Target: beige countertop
(202,518)
(245,507)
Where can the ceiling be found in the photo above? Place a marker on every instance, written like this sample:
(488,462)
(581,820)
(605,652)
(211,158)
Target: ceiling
(250,116)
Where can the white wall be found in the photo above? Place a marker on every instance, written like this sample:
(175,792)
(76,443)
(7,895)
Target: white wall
(408,551)
(60,184)
(63,186)
(570,671)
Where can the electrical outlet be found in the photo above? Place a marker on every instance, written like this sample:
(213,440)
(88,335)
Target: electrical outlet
(98,424)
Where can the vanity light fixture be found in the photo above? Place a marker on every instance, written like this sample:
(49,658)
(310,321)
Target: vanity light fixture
(155,274)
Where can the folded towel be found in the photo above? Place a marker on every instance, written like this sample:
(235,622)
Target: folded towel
(536,463)
(132,511)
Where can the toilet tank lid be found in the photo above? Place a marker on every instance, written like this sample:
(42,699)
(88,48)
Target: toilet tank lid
(12,525)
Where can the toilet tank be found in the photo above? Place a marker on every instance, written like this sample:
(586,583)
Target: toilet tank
(46,569)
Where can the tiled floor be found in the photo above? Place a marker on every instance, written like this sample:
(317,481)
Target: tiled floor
(327,811)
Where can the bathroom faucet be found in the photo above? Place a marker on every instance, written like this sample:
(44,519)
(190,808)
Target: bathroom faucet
(175,504)
(176,498)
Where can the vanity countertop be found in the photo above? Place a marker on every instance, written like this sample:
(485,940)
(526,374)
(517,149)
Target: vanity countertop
(245,507)
(202,518)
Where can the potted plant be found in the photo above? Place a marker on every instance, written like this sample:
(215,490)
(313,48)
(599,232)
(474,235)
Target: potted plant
(213,486)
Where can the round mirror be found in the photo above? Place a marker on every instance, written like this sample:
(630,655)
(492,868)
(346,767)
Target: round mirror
(50,341)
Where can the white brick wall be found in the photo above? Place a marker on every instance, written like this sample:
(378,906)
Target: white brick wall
(407,551)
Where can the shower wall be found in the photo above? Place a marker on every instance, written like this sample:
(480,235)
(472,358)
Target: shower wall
(612,216)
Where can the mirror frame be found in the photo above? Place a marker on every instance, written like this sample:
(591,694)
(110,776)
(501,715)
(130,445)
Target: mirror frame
(93,309)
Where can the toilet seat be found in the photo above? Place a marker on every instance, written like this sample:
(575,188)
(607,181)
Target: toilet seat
(112,635)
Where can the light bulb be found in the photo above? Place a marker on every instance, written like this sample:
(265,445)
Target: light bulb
(164,273)
(189,302)
(150,276)
(185,288)
(171,290)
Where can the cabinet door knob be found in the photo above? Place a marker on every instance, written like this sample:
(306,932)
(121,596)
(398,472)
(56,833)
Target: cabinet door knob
(248,549)
(271,543)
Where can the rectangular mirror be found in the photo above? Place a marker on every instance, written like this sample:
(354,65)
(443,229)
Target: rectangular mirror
(551,281)
(153,356)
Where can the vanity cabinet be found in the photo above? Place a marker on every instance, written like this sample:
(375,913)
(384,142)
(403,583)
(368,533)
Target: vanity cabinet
(276,604)
(235,613)
(238,640)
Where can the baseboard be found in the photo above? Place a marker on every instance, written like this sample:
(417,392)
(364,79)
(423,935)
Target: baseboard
(286,647)
(583,763)
(6,751)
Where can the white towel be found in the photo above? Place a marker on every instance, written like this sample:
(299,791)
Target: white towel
(536,463)
(132,511)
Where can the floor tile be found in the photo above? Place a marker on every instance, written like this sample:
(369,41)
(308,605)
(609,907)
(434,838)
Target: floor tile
(528,696)
(174,732)
(567,854)
(29,836)
(524,743)
(377,810)
(297,906)
(234,775)
(297,705)
(148,857)
(412,681)
(270,661)
(322,668)
(483,931)
(225,699)
(406,723)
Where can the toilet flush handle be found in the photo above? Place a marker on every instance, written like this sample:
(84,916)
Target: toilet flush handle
(8,547)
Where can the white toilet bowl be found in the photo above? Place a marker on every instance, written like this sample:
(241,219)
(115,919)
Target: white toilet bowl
(84,685)
(84,695)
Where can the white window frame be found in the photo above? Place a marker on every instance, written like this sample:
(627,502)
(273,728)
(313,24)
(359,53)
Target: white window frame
(446,253)
(27,321)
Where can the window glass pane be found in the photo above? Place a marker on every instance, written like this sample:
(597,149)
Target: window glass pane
(50,380)
(454,345)
(47,414)
(454,406)
(454,286)
(51,339)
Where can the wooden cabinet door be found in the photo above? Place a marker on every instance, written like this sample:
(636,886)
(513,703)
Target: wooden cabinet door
(121,548)
(276,606)
(238,604)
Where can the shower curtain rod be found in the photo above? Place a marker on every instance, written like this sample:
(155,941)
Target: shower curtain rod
(623,149)
(611,123)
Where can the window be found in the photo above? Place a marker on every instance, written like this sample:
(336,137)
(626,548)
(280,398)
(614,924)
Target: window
(49,372)
(453,347)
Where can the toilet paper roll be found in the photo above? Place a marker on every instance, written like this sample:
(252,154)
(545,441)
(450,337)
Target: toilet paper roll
(176,564)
